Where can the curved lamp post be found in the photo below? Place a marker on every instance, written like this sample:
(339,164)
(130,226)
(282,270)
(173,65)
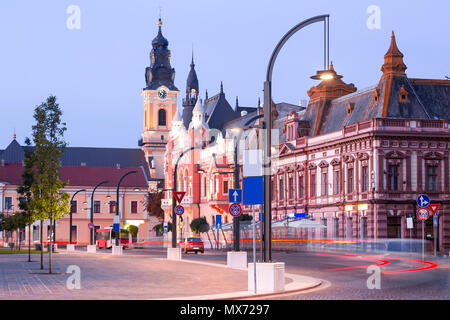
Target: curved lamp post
(174,189)
(268,122)
(92,210)
(117,201)
(71,200)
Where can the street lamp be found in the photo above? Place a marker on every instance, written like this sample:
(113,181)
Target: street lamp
(117,201)
(268,123)
(92,210)
(71,201)
(174,189)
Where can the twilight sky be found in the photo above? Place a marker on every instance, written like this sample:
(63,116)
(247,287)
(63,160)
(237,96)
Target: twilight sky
(97,71)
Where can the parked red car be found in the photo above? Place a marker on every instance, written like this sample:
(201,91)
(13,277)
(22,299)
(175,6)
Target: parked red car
(193,245)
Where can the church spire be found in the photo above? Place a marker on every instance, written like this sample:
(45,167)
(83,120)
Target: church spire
(393,60)
(160,71)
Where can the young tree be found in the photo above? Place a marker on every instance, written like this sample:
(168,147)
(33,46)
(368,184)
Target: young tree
(48,201)
(200,225)
(25,192)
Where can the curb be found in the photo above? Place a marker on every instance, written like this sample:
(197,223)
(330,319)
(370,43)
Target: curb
(299,283)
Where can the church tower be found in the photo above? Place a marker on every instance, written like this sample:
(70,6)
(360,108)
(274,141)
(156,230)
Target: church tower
(160,104)
(192,92)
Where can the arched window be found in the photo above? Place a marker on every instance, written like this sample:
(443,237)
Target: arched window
(161,117)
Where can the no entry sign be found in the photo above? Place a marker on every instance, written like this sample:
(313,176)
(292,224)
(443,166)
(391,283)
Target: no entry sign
(423,214)
(235,209)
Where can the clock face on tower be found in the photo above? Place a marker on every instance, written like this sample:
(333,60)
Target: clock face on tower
(162,94)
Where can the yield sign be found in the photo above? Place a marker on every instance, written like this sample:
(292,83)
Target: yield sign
(434,207)
(179,196)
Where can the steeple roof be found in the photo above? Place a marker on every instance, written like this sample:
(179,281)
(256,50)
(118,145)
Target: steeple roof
(192,80)
(160,72)
(393,59)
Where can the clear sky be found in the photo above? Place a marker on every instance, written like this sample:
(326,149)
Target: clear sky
(97,71)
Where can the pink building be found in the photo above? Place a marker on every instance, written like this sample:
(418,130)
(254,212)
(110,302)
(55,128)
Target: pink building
(354,160)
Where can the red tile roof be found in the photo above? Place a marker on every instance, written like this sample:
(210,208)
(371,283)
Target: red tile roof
(82,176)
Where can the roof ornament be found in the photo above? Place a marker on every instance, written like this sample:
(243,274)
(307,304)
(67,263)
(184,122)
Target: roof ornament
(393,59)
(237,102)
(221,87)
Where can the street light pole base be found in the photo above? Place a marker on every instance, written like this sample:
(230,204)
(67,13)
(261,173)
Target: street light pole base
(269,277)
(92,248)
(70,247)
(237,259)
(173,253)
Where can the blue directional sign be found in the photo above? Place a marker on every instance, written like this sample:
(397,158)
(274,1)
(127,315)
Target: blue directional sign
(166,227)
(423,201)
(235,195)
(116,227)
(253,190)
(218,221)
(301,215)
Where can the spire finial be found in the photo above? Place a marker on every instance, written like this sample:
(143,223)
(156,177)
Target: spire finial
(159,20)
(237,101)
(221,87)
(192,59)
(206,95)
(393,59)
(14,134)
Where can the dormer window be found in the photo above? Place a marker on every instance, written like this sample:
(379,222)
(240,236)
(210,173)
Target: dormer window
(350,108)
(376,96)
(403,95)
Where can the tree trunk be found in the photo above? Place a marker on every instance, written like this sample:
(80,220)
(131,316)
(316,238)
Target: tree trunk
(50,245)
(210,243)
(42,245)
(29,242)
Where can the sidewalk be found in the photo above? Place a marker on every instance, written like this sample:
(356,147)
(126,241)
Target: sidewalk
(104,276)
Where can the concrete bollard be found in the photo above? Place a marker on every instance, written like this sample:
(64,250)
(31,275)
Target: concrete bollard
(117,250)
(237,259)
(269,277)
(173,253)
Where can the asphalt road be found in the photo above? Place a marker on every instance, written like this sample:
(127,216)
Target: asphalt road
(345,274)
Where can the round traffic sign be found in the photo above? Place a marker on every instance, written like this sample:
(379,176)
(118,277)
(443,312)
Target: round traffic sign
(235,209)
(423,214)
(423,201)
(179,210)
(91,226)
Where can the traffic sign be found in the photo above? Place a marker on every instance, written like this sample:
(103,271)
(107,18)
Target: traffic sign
(235,195)
(253,190)
(91,226)
(423,201)
(235,209)
(166,227)
(179,196)
(218,221)
(423,214)
(179,210)
(435,221)
(434,207)
(116,227)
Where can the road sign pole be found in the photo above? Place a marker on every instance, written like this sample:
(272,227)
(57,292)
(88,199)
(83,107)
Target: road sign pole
(423,240)
(254,248)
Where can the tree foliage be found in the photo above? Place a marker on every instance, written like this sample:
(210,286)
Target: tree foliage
(153,204)
(245,217)
(199,225)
